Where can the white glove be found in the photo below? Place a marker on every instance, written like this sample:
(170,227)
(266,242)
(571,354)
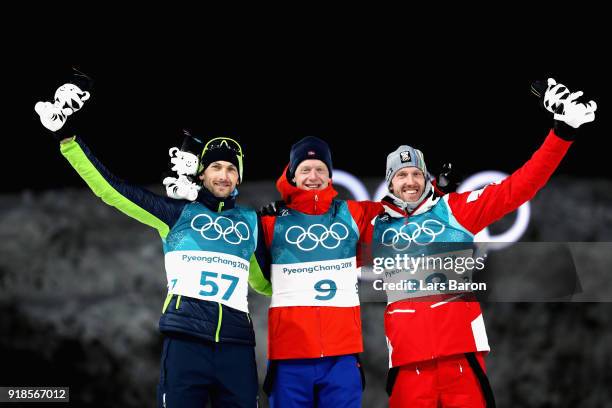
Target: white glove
(562,103)
(181,188)
(69,98)
(52,117)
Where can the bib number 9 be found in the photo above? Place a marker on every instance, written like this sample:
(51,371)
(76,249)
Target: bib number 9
(212,288)
(327,288)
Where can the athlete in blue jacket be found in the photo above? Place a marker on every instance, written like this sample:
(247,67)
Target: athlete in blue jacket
(211,252)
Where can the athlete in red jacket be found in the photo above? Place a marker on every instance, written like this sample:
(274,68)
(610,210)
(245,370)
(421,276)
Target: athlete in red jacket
(436,339)
(314,323)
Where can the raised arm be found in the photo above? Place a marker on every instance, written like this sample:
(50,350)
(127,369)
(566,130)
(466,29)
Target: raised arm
(59,118)
(476,210)
(139,203)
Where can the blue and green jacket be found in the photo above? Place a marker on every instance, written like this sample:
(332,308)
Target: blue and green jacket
(207,320)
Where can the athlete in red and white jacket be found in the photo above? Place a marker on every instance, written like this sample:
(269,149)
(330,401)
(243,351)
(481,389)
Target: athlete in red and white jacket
(437,341)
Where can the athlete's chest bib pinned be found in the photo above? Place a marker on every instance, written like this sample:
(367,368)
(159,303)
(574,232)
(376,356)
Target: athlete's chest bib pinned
(421,255)
(314,259)
(208,254)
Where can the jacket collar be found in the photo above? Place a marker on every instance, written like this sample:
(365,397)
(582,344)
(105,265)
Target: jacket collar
(217,204)
(395,208)
(312,202)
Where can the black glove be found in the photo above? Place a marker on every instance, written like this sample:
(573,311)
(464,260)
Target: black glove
(569,113)
(58,116)
(272,208)
(447,180)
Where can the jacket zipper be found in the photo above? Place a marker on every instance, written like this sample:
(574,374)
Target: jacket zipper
(409,213)
(316,198)
(221,204)
(219,323)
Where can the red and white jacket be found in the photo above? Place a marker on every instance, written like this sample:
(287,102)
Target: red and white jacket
(426,328)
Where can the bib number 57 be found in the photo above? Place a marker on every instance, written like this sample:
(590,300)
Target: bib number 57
(211,288)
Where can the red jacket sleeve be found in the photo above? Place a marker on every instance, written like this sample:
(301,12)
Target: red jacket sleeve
(477,209)
(363,212)
(267,224)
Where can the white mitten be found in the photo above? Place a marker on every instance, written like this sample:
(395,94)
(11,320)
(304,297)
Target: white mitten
(51,116)
(554,95)
(70,98)
(576,113)
(562,103)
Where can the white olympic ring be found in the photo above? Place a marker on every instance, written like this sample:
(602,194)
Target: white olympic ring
(316,239)
(225,233)
(411,237)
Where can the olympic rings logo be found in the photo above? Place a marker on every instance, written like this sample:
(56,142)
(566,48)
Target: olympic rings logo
(213,230)
(328,238)
(430,229)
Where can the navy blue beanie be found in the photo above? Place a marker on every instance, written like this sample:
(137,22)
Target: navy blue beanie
(309,148)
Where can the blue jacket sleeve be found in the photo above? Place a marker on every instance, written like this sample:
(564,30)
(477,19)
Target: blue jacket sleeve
(139,203)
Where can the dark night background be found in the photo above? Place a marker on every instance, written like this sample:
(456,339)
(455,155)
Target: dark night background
(471,106)
(81,285)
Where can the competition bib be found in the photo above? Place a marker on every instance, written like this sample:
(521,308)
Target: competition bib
(426,276)
(207,275)
(427,254)
(317,283)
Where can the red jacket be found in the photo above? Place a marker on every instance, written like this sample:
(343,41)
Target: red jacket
(314,331)
(425,328)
